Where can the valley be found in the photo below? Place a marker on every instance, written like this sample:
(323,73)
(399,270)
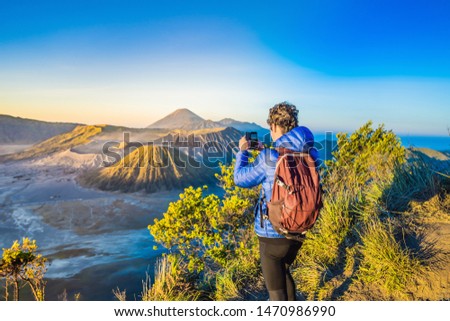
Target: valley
(77,229)
(89,212)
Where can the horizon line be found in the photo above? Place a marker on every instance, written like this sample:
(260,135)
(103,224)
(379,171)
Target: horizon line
(321,132)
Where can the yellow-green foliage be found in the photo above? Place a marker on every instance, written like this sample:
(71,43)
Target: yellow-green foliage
(21,264)
(322,247)
(226,178)
(211,235)
(350,239)
(190,225)
(368,155)
(172,282)
(385,263)
(324,241)
(241,275)
(435,209)
(413,181)
(204,229)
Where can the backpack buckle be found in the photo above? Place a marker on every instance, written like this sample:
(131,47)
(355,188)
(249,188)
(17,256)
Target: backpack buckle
(282,184)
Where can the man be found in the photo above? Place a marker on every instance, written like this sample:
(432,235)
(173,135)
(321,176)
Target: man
(277,252)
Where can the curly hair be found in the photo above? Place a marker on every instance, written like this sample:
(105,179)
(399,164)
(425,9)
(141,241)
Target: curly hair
(284,115)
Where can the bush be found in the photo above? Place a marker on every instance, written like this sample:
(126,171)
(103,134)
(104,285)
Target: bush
(20,264)
(212,237)
(365,157)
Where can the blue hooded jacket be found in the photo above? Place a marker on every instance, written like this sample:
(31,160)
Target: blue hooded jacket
(262,171)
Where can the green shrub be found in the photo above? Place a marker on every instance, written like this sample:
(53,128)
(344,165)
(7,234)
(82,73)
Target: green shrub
(365,157)
(204,229)
(21,265)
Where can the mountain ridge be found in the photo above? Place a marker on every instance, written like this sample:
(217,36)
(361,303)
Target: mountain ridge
(79,135)
(184,118)
(18,130)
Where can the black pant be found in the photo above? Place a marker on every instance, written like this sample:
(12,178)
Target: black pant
(277,254)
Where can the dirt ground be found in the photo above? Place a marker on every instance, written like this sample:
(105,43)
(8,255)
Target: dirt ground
(438,287)
(433,285)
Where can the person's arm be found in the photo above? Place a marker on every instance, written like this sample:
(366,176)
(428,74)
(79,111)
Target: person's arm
(249,174)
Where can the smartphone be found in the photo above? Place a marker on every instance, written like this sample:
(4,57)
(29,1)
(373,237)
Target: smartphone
(252,139)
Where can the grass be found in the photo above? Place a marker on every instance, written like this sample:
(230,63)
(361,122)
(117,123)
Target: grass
(386,255)
(120,295)
(322,249)
(172,282)
(241,278)
(370,237)
(370,241)
(336,218)
(238,280)
(227,285)
(385,263)
(436,209)
(415,181)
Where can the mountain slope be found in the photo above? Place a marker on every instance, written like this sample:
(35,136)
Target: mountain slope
(220,134)
(16,130)
(187,120)
(218,144)
(149,168)
(80,135)
(183,119)
(244,126)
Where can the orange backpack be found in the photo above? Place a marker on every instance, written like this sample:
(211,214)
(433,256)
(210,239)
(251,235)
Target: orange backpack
(296,194)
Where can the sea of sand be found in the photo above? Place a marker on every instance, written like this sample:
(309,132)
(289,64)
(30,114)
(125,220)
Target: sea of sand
(95,241)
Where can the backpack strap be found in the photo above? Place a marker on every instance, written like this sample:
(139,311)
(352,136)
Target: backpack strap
(261,202)
(283,152)
(293,154)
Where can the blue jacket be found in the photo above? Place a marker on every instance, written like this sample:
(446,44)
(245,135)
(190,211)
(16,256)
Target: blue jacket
(262,171)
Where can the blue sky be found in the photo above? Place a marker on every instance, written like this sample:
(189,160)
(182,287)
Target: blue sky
(132,62)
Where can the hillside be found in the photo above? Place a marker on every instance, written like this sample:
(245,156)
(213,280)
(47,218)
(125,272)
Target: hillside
(220,134)
(219,143)
(244,126)
(16,130)
(80,135)
(437,161)
(149,168)
(117,134)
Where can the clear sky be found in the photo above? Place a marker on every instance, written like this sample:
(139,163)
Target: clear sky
(132,62)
